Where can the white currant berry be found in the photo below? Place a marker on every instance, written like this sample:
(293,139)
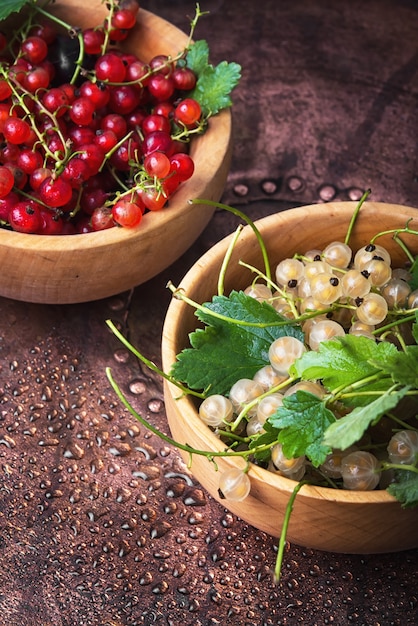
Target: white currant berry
(244,391)
(403,447)
(312,387)
(360,329)
(269,405)
(216,410)
(326,288)
(396,293)
(323,331)
(372,309)
(259,292)
(331,467)
(354,284)
(313,268)
(413,299)
(367,253)
(288,467)
(360,471)
(234,485)
(337,254)
(289,272)
(284,351)
(377,271)
(267,377)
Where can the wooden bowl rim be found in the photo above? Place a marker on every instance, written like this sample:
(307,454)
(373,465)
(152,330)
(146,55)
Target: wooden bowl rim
(186,407)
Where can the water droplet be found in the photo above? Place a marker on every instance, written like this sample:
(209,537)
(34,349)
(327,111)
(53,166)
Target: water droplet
(137,386)
(269,186)
(195,497)
(160,529)
(155,405)
(74,451)
(121,355)
(327,192)
(295,184)
(355,194)
(241,189)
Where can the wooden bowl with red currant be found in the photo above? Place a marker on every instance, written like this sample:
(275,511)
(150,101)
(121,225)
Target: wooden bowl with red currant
(294,398)
(109,125)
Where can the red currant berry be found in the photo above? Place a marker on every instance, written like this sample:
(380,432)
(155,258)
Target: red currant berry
(184,78)
(183,165)
(93,39)
(98,93)
(55,192)
(157,164)
(25,217)
(110,68)
(124,19)
(188,112)
(6,181)
(123,99)
(161,87)
(155,122)
(126,213)
(34,49)
(82,111)
(29,160)
(16,130)
(158,140)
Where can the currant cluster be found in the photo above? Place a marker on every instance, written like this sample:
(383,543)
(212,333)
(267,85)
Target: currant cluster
(330,292)
(92,143)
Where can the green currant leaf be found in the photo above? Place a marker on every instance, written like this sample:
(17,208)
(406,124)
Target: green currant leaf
(8,7)
(344,361)
(403,366)
(224,352)
(214,84)
(414,273)
(267,438)
(349,429)
(197,57)
(302,421)
(405,489)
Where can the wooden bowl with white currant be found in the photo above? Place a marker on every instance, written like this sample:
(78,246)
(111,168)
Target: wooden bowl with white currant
(324,516)
(85,265)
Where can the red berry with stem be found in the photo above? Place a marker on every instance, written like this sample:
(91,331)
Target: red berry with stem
(188,112)
(102,218)
(184,78)
(126,213)
(157,164)
(124,19)
(183,165)
(82,111)
(55,192)
(110,68)
(16,130)
(34,49)
(93,39)
(161,87)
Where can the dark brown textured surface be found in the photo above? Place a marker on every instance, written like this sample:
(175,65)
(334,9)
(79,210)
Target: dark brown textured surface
(100,523)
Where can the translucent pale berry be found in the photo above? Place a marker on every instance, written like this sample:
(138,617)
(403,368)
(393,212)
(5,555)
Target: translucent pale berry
(354,284)
(234,484)
(244,391)
(360,471)
(216,410)
(289,272)
(323,331)
(326,288)
(403,447)
(373,309)
(293,468)
(337,254)
(284,351)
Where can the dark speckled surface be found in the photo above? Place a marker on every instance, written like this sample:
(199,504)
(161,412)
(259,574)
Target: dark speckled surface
(100,523)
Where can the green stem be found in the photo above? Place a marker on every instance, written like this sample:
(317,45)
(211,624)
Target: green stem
(209,454)
(149,363)
(355,215)
(283,533)
(247,220)
(177,293)
(226,260)
(400,466)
